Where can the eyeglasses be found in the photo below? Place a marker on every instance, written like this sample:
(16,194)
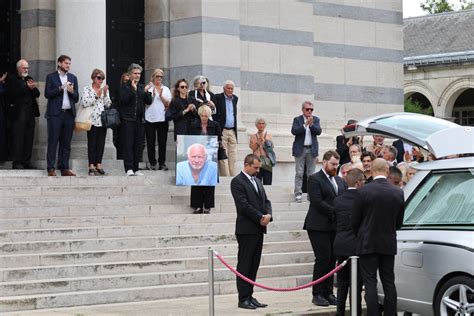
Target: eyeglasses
(309,109)
(99,78)
(158,76)
(202,83)
(183,87)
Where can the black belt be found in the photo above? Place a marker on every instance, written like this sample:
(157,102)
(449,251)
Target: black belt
(229,128)
(308,146)
(66,110)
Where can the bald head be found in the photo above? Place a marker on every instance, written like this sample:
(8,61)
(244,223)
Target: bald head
(379,167)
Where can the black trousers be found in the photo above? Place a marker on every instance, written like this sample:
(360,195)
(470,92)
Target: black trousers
(324,261)
(131,138)
(96,144)
(60,129)
(154,131)
(202,196)
(248,261)
(265,176)
(344,284)
(369,264)
(23,134)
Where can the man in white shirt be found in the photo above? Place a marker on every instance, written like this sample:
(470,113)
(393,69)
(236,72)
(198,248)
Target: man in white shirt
(305,128)
(156,126)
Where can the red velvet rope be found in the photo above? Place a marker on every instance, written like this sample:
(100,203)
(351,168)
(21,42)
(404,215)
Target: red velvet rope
(243,277)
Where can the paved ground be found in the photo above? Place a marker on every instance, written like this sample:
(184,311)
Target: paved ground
(280,303)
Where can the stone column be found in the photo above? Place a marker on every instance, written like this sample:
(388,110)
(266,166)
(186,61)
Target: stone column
(80,34)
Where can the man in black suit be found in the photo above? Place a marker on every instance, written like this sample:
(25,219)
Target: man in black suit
(226,115)
(23,92)
(378,213)
(254,212)
(323,187)
(345,242)
(61,90)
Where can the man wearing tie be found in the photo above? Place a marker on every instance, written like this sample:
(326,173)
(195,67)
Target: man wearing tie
(323,187)
(254,213)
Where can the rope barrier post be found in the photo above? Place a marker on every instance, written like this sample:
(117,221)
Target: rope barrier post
(354,285)
(210,254)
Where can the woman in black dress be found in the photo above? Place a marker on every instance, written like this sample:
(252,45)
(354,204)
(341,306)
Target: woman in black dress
(181,110)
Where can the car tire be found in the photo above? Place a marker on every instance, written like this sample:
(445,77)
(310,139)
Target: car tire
(449,300)
(407,314)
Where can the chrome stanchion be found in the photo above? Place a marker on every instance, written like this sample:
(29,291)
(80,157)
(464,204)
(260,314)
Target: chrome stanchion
(210,259)
(354,285)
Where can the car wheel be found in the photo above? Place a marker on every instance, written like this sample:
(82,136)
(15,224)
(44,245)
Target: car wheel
(407,314)
(455,297)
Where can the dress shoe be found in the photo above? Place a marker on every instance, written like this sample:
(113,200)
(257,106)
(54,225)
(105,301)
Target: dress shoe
(206,211)
(257,303)
(101,171)
(153,167)
(163,167)
(331,298)
(17,166)
(247,304)
(51,173)
(67,173)
(198,211)
(320,300)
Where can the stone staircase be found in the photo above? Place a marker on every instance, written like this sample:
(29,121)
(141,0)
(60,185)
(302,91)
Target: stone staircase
(99,240)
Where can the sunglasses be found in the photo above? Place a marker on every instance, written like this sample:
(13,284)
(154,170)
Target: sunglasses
(99,78)
(158,76)
(183,87)
(309,109)
(202,83)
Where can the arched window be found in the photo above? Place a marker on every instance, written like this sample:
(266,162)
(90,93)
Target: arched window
(463,110)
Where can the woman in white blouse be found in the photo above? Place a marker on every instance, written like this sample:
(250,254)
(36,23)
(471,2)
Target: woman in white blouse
(156,126)
(97,96)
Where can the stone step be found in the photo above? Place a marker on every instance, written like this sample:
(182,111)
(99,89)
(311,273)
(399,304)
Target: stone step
(151,241)
(146,279)
(135,266)
(131,231)
(96,256)
(105,221)
(32,212)
(43,301)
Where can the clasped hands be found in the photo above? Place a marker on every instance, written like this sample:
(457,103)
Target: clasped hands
(265,220)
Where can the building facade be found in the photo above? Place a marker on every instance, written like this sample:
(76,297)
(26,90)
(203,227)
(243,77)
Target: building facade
(346,56)
(439,64)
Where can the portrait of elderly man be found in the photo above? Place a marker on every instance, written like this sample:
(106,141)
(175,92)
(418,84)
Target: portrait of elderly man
(197,170)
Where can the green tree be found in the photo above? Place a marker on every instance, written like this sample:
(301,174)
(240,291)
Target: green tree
(416,107)
(436,6)
(440,6)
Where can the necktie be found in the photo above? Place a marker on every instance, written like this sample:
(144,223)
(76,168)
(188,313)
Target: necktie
(254,183)
(334,183)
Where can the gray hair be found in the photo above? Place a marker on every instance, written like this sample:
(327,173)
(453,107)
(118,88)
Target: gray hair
(204,110)
(134,66)
(228,82)
(306,102)
(21,61)
(199,78)
(260,119)
(197,145)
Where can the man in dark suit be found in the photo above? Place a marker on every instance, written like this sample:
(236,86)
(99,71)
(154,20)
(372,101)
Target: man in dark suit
(323,187)
(61,90)
(305,128)
(23,92)
(345,242)
(254,213)
(226,115)
(378,213)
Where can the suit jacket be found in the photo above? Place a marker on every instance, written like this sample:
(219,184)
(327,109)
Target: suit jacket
(298,130)
(54,94)
(250,205)
(212,129)
(221,111)
(320,216)
(378,213)
(345,241)
(22,96)
(398,144)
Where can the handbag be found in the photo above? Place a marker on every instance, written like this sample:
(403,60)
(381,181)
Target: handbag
(110,118)
(221,153)
(83,120)
(265,163)
(268,146)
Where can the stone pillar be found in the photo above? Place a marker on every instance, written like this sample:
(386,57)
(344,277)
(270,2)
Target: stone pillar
(80,34)
(38,21)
